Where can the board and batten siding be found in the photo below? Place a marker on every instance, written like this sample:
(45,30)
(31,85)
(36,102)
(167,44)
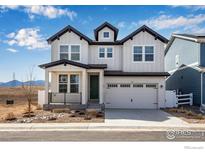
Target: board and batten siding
(114,63)
(187,51)
(100,35)
(143,38)
(70,38)
(187,80)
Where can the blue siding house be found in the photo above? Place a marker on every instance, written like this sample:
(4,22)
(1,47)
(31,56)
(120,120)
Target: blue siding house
(185,61)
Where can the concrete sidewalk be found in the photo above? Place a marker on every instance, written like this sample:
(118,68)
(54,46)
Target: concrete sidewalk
(97,127)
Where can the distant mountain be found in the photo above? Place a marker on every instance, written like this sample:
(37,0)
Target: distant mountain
(15,83)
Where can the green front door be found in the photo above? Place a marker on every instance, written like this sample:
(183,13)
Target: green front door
(94,87)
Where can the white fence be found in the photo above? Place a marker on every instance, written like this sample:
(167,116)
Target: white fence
(173,100)
(185,99)
(41,97)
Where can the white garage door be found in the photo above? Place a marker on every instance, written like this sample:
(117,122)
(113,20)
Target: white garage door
(131,96)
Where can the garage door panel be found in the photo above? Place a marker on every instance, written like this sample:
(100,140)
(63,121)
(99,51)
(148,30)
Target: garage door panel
(131,97)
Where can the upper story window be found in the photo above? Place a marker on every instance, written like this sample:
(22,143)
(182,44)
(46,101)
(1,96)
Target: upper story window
(64,52)
(149,53)
(105,52)
(75,52)
(106,35)
(70,52)
(143,53)
(137,53)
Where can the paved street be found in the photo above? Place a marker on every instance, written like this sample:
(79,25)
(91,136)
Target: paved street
(92,136)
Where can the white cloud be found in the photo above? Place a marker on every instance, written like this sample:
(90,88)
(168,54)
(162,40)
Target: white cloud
(192,7)
(12,50)
(50,12)
(29,38)
(10,35)
(121,24)
(170,22)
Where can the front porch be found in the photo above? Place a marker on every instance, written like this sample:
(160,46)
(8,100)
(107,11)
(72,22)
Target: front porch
(73,86)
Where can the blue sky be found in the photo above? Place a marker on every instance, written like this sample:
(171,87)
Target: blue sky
(24,29)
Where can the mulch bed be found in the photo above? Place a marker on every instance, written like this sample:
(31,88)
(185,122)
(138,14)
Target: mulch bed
(190,114)
(50,117)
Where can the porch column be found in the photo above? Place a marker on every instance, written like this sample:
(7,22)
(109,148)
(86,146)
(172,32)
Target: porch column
(84,87)
(46,85)
(101,87)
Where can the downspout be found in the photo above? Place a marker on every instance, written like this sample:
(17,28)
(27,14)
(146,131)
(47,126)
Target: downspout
(202,107)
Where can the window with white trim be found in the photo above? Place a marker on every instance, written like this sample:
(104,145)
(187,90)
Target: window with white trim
(143,53)
(75,52)
(64,52)
(74,83)
(106,35)
(63,83)
(109,52)
(137,53)
(101,52)
(149,53)
(70,52)
(105,52)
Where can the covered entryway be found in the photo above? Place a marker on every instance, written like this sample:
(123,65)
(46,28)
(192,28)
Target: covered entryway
(131,95)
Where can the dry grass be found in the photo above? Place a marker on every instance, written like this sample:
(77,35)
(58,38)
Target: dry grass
(20,102)
(188,114)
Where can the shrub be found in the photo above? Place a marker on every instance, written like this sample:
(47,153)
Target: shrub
(10,116)
(189,113)
(199,116)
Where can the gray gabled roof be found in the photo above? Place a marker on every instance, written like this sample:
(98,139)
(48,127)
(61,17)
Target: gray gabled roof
(149,30)
(65,62)
(106,24)
(66,29)
(121,73)
(199,38)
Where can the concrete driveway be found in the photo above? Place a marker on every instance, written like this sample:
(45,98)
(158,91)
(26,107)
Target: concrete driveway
(141,117)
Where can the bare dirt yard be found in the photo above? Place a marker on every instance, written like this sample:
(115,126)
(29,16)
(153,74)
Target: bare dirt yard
(16,113)
(190,114)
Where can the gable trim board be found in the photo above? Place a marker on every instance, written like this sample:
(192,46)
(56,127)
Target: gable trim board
(65,62)
(106,24)
(143,28)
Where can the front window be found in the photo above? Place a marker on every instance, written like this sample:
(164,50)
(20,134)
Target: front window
(75,52)
(64,52)
(149,53)
(63,81)
(137,53)
(105,52)
(74,83)
(109,52)
(102,53)
(106,34)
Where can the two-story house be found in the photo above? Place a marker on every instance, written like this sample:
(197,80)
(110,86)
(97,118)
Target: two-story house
(185,61)
(126,73)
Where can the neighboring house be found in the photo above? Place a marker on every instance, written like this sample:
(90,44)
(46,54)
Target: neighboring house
(126,73)
(185,61)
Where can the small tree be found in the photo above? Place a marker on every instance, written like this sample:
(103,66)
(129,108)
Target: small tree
(28,89)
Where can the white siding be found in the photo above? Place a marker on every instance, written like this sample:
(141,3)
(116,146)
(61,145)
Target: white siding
(114,63)
(100,35)
(69,38)
(143,38)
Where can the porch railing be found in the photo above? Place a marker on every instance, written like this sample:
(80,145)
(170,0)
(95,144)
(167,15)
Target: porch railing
(65,98)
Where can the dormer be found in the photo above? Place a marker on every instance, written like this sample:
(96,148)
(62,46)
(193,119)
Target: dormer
(106,33)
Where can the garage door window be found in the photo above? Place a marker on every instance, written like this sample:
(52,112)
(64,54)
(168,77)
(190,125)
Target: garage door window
(137,85)
(151,86)
(112,85)
(125,85)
